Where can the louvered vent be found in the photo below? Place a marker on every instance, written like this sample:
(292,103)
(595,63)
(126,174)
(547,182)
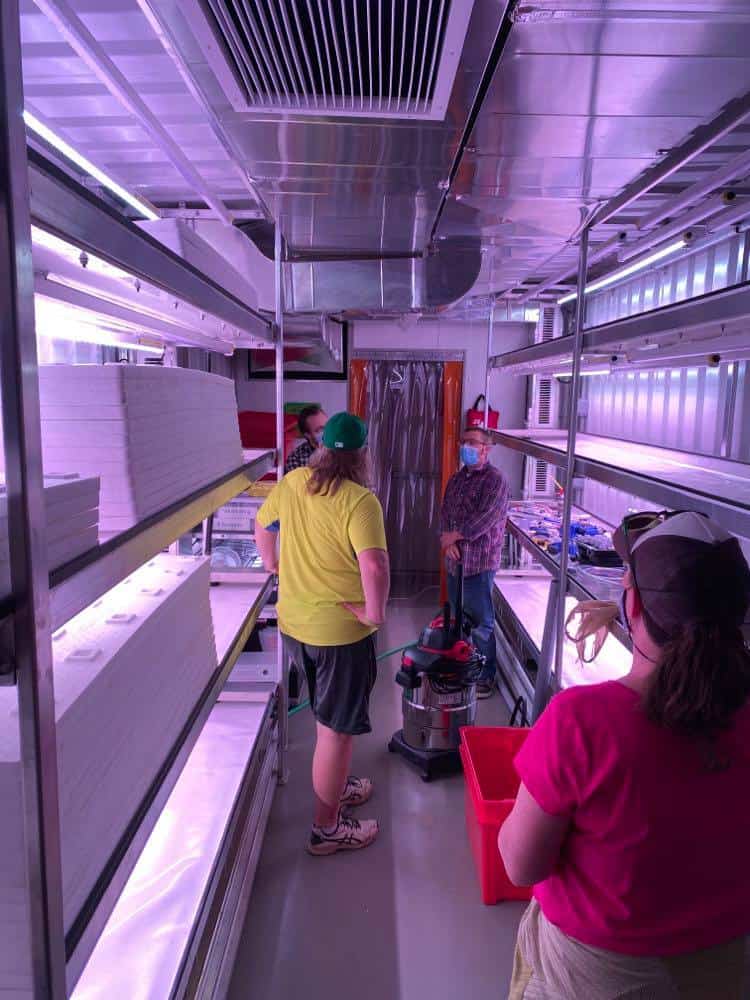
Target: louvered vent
(544,402)
(548,323)
(384,58)
(540,477)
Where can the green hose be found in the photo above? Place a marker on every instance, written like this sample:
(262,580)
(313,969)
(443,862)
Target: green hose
(391,652)
(378,658)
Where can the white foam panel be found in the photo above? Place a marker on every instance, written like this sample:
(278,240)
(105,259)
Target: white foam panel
(71,506)
(153,435)
(127,671)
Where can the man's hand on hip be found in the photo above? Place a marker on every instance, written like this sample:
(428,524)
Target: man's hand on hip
(360,613)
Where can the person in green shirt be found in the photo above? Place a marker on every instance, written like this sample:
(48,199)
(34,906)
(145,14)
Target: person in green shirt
(334,579)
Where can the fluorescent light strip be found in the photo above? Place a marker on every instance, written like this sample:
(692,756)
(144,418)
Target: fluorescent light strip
(626,272)
(40,129)
(72,254)
(121,301)
(98,338)
(58,322)
(590,371)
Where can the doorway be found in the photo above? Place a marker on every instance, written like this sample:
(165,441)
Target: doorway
(413,422)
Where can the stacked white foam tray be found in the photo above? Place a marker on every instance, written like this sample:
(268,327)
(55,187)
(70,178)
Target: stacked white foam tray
(71,507)
(153,435)
(128,671)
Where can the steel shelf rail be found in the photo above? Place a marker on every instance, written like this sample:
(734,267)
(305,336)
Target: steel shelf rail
(78,584)
(514,635)
(68,210)
(552,566)
(718,313)
(88,925)
(674,479)
(208,961)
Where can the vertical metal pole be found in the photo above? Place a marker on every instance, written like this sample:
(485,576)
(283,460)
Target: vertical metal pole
(279,333)
(282,664)
(544,668)
(490,331)
(26,530)
(570,469)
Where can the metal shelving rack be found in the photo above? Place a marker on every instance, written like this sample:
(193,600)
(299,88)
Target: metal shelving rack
(663,476)
(716,315)
(33,189)
(67,209)
(79,583)
(83,933)
(687,330)
(552,566)
(542,655)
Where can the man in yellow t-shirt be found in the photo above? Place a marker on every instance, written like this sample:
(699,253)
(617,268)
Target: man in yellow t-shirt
(334,580)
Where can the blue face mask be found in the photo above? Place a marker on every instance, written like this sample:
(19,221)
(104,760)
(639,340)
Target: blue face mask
(469,454)
(318,437)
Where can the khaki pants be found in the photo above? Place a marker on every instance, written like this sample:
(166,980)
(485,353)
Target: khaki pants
(551,966)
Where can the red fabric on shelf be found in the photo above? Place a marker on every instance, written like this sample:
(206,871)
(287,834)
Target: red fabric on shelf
(258,430)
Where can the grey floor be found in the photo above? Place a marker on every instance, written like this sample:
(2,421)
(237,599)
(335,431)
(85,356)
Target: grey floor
(402,920)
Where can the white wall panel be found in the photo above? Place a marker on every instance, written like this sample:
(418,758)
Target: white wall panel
(677,408)
(707,270)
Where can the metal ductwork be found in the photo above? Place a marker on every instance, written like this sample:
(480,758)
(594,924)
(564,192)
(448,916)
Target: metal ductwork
(371,280)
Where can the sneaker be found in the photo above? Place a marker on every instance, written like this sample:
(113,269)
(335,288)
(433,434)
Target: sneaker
(349,835)
(485,690)
(357,792)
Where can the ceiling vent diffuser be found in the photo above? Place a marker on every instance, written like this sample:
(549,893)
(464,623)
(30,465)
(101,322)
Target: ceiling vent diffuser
(373,58)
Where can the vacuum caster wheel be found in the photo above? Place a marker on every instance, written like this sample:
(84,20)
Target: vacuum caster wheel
(426,776)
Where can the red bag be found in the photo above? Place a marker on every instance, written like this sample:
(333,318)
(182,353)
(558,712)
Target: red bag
(475,416)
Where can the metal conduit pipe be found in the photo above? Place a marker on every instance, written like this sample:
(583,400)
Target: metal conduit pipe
(571,453)
(506,23)
(279,337)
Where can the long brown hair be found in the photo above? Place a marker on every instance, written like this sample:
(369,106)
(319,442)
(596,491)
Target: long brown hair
(702,680)
(331,468)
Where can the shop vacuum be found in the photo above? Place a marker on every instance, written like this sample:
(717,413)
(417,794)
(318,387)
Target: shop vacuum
(439,676)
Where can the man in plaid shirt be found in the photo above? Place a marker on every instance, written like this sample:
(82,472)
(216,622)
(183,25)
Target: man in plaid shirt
(472,528)
(311,422)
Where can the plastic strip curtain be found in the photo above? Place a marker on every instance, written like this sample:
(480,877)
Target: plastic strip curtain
(405,413)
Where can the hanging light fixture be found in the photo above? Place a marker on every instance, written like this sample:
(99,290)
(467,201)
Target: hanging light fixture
(626,272)
(63,147)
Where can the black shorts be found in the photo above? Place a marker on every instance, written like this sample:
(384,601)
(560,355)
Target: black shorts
(340,679)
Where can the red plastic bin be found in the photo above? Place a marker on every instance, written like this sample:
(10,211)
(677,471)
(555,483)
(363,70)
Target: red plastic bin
(491,787)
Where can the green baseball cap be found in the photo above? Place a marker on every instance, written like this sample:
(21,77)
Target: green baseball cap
(345,432)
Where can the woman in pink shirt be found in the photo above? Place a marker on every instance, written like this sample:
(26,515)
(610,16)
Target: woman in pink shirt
(633,816)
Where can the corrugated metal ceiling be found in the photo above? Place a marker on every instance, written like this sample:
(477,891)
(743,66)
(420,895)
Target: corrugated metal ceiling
(587,95)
